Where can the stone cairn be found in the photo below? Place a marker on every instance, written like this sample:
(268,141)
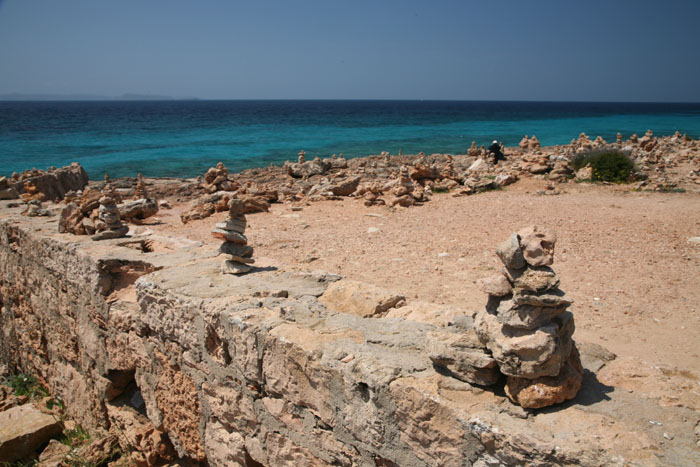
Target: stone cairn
(526,325)
(109,224)
(231,231)
(140,191)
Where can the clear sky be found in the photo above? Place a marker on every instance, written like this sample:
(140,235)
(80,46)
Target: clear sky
(624,50)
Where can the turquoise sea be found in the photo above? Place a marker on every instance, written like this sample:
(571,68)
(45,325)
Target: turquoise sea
(184,138)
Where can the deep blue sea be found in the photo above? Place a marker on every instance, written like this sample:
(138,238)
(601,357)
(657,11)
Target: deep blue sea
(184,138)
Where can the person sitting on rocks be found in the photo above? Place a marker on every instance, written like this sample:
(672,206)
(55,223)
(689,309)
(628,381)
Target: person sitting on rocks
(496,149)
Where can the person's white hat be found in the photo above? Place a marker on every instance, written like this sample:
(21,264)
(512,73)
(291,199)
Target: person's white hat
(495,142)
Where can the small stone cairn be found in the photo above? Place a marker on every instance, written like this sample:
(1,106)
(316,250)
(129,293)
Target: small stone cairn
(231,231)
(140,191)
(109,224)
(526,325)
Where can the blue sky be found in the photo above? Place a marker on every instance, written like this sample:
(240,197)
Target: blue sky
(473,50)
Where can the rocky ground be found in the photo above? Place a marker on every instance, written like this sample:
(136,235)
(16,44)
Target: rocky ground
(628,255)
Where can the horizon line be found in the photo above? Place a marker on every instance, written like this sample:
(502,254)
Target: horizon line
(161,98)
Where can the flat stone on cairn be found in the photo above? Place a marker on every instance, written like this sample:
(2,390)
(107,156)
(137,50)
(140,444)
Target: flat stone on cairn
(526,325)
(232,231)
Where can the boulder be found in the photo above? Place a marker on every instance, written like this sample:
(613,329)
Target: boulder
(584,173)
(138,210)
(254,204)
(345,187)
(423,172)
(23,429)
(54,454)
(8,193)
(505,179)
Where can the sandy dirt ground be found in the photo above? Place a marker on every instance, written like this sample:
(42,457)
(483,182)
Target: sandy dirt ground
(623,256)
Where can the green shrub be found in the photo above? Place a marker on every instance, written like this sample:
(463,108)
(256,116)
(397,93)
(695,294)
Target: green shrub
(26,385)
(607,165)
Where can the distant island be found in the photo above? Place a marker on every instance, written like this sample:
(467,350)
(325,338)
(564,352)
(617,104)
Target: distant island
(15,96)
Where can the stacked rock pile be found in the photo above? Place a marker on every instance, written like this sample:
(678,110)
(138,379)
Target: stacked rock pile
(140,191)
(217,179)
(232,231)
(109,224)
(526,325)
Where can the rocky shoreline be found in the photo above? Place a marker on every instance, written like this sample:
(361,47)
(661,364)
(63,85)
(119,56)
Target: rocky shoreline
(271,365)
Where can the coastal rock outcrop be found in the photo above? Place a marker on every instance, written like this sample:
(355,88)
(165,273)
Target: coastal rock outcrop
(53,183)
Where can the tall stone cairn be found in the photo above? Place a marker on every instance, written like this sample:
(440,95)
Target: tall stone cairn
(526,324)
(232,231)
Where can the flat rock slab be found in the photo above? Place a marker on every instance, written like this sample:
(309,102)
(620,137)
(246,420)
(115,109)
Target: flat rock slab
(359,299)
(203,279)
(23,429)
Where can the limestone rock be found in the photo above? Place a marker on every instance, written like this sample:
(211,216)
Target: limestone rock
(511,253)
(110,233)
(536,279)
(526,316)
(504,179)
(496,286)
(584,173)
(463,356)
(23,429)
(205,206)
(345,187)
(236,249)
(139,209)
(230,236)
(523,352)
(54,454)
(537,245)
(52,185)
(548,390)
(8,193)
(550,298)
(359,298)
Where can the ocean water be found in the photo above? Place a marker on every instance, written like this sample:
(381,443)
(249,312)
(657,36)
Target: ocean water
(184,138)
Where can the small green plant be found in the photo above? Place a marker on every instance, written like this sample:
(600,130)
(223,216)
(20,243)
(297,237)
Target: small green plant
(26,385)
(606,165)
(75,436)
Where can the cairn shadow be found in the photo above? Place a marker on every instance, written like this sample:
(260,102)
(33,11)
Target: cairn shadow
(592,392)
(264,269)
